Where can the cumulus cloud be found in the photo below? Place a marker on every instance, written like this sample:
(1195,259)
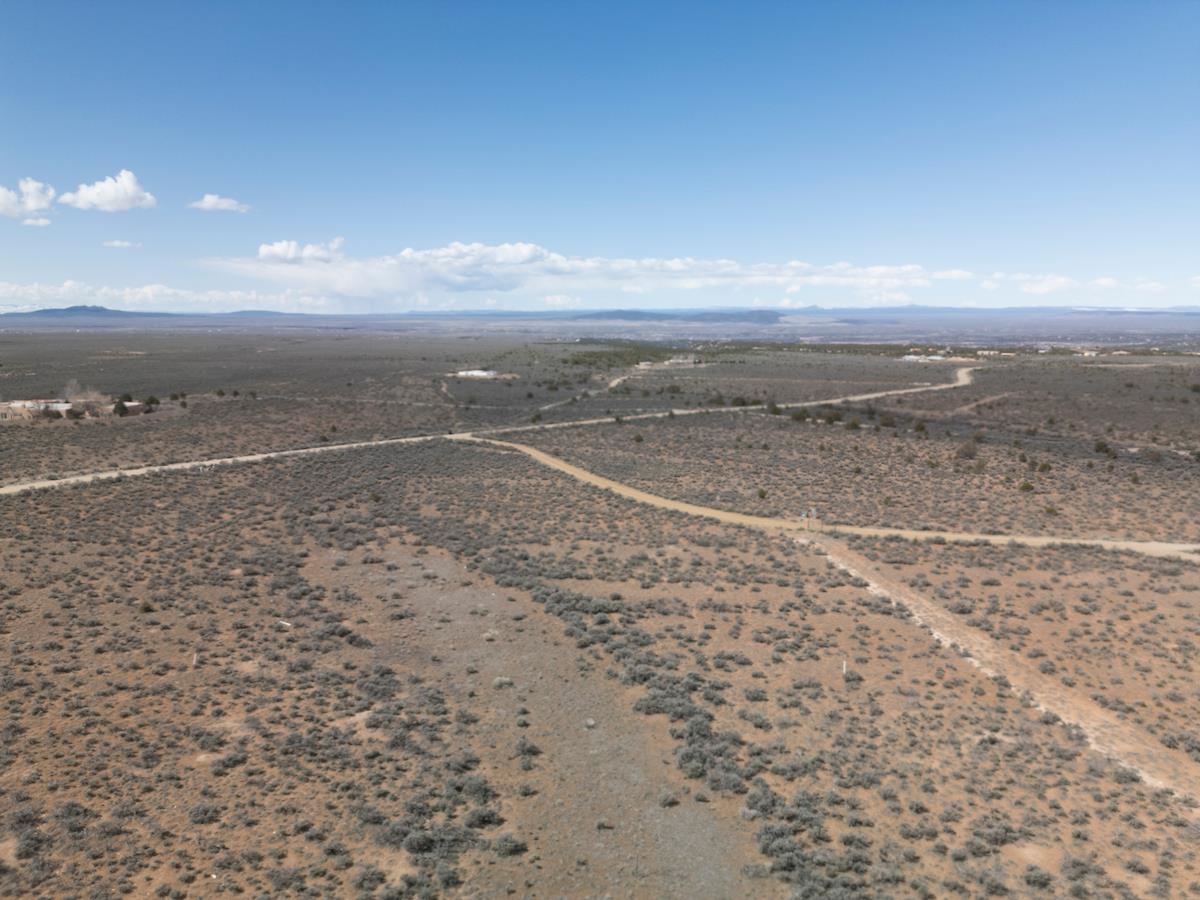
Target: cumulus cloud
(459,267)
(953,275)
(31,196)
(37,222)
(1105,283)
(119,245)
(217,203)
(111,194)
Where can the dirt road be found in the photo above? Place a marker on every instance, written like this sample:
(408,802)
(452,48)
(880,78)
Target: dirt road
(21,487)
(1106,731)
(1165,549)
(1148,548)
(962,377)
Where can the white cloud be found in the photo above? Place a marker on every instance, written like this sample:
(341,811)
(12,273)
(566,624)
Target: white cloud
(293,252)
(111,195)
(38,222)
(534,274)
(1194,281)
(120,245)
(322,277)
(217,203)
(31,196)
(458,268)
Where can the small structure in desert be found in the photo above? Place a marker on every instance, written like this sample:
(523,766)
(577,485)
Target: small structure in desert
(476,373)
(58,408)
(26,410)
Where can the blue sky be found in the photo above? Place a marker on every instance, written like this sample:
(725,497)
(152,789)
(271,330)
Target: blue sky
(387,156)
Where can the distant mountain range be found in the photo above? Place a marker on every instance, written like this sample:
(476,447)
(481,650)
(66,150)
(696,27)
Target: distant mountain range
(86,311)
(1177,327)
(761,315)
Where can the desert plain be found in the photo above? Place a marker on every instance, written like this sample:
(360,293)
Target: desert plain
(362,615)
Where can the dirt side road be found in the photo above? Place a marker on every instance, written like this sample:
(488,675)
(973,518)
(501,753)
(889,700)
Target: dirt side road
(729,517)
(1108,733)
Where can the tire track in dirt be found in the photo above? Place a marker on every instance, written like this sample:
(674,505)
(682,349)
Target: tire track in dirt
(975,404)
(1107,733)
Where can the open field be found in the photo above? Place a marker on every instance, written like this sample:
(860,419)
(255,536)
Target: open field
(444,667)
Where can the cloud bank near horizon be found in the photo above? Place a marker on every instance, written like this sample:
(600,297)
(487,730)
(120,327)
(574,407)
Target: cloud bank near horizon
(528,271)
(529,268)
(323,277)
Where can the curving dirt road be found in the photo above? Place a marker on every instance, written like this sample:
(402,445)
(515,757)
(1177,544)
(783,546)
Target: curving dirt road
(1107,732)
(1149,548)
(962,377)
